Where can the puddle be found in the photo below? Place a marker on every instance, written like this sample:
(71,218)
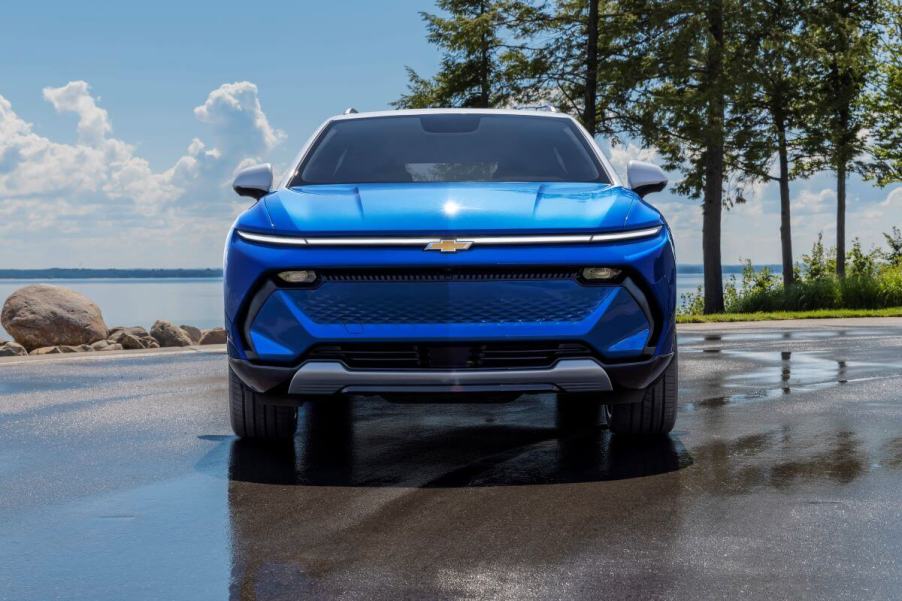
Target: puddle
(739,336)
(783,372)
(789,369)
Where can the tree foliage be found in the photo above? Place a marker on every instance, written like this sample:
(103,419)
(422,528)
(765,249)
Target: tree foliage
(585,57)
(885,101)
(482,64)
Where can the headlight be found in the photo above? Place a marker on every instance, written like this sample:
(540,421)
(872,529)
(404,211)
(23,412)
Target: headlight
(298,277)
(598,274)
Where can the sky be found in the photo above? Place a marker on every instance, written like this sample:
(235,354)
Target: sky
(122,125)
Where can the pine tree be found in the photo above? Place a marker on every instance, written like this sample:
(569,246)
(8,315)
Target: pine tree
(885,102)
(775,96)
(481,64)
(844,36)
(695,56)
(583,59)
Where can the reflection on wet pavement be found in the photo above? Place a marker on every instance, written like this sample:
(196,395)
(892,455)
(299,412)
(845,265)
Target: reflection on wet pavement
(332,452)
(781,481)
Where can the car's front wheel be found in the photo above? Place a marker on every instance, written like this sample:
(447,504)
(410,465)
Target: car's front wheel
(654,414)
(252,417)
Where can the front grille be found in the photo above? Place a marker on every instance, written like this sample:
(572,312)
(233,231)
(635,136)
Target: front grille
(457,356)
(446,302)
(446,275)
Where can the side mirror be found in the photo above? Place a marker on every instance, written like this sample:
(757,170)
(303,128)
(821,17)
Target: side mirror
(645,178)
(254,181)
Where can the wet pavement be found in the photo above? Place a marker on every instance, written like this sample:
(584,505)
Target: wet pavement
(119,479)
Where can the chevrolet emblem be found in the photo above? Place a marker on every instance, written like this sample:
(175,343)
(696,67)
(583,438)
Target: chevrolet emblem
(449,246)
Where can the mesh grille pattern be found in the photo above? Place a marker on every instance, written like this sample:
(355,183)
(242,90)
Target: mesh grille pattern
(459,356)
(437,303)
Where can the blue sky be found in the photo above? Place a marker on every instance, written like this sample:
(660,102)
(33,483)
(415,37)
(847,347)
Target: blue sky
(121,124)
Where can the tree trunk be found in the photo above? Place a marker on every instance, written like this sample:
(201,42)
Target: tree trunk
(589,95)
(785,223)
(485,85)
(713,164)
(712,209)
(841,220)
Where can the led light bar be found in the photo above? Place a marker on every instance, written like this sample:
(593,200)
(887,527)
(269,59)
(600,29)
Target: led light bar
(475,240)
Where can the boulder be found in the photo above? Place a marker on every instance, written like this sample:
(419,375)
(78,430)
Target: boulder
(126,340)
(41,315)
(149,342)
(136,331)
(193,333)
(169,334)
(100,345)
(213,336)
(46,350)
(111,347)
(12,349)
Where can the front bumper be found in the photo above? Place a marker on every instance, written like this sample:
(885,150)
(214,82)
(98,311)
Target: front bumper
(569,375)
(275,330)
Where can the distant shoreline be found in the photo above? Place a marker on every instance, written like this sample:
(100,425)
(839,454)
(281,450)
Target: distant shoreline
(63,273)
(67,273)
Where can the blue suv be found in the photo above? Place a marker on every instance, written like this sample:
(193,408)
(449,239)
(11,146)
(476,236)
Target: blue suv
(451,253)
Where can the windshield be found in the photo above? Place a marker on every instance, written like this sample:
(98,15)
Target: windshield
(450,148)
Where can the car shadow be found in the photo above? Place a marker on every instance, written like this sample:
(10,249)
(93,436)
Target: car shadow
(333,448)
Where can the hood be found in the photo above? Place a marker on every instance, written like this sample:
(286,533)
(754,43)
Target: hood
(472,207)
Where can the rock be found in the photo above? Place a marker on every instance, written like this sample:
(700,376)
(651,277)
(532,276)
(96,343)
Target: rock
(169,334)
(136,331)
(71,348)
(126,340)
(213,336)
(12,349)
(193,333)
(111,347)
(100,345)
(46,350)
(41,315)
(150,342)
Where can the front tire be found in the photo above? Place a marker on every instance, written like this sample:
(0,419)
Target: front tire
(253,418)
(654,414)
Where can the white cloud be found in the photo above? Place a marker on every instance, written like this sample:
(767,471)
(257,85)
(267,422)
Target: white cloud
(238,121)
(810,201)
(59,195)
(893,198)
(74,97)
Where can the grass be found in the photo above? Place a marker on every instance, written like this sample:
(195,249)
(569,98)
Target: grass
(780,315)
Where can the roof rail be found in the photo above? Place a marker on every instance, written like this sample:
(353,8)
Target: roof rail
(350,111)
(537,107)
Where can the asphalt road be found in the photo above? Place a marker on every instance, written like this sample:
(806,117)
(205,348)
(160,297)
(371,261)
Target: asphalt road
(119,480)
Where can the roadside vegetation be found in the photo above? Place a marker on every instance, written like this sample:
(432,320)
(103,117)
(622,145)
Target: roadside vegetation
(872,287)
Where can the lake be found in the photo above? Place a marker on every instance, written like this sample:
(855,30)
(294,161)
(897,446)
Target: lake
(193,301)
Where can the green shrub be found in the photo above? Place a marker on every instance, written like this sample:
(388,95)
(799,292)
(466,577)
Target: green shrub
(871,283)
(692,303)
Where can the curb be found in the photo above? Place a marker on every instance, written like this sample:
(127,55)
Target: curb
(797,324)
(209,349)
